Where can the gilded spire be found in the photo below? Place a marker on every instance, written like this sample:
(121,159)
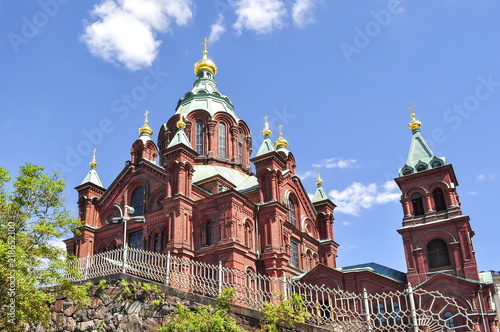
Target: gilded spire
(319,181)
(181,123)
(145,129)
(414,123)
(281,142)
(266,132)
(205,63)
(93,163)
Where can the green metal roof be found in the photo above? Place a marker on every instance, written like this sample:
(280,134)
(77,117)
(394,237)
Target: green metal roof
(379,269)
(319,195)
(180,138)
(93,178)
(266,147)
(420,156)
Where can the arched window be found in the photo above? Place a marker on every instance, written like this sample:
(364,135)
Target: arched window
(418,204)
(156,243)
(248,235)
(199,137)
(222,140)
(165,237)
(135,240)
(450,323)
(137,201)
(437,252)
(439,201)
(291,212)
(207,236)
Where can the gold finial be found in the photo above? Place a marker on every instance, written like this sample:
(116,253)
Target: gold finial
(146,129)
(266,132)
(319,181)
(205,63)
(414,123)
(93,163)
(281,141)
(181,123)
(205,42)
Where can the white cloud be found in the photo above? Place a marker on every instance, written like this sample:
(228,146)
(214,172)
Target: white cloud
(472,193)
(335,163)
(345,223)
(302,12)
(358,196)
(125,31)
(261,16)
(486,177)
(217,29)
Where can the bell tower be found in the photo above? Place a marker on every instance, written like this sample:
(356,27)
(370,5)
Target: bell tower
(436,235)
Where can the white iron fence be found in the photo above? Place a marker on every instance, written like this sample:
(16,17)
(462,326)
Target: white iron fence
(334,309)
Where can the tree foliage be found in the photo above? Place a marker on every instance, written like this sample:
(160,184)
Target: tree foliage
(32,213)
(205,318)
(289,312)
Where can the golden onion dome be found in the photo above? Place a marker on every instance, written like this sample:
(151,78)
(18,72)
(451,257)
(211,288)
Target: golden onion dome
(281,142)
(319,181)
(181,123)
(205,63)
(414,123)
(266,132)
(145,129)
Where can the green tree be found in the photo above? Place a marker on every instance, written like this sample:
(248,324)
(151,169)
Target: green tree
(32,212)
(287,313)
(206,318)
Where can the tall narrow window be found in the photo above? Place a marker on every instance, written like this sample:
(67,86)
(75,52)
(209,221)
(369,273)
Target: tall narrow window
(418,204)
(294,254)
(450,323)
(222,140)
(208,233)
(437,252)
(240,148)
(156,243)
(137,201)
(199,137)
(439,201)
(291,212)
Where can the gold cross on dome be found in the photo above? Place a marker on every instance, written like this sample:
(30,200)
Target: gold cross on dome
(266,117)
(94,151)
(410,106)
(205,41)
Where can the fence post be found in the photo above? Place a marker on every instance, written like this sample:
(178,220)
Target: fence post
(124,267)
(87,263)
(285,288)
(367,310)
(220,277)
(167,276)
(413,310)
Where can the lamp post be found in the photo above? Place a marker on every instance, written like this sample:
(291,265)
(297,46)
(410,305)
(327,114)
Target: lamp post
(124,217)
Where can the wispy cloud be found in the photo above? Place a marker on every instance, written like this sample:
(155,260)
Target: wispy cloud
(302,12)
(335,163)
(260,16)
(217,29)
(357,196)
(486,177)
(125,30)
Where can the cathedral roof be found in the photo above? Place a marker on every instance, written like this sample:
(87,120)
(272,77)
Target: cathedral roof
(205,94)
(379,269)
(320,194)
(420,156)
(180,138)
(234,176)
(92,176)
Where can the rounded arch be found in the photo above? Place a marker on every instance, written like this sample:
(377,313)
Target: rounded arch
(292,203)
(248,235)
(137,196)
(165,234)
(207,232)
(418,189)
(154,240)
(101,247)
(433,234)
(437,254)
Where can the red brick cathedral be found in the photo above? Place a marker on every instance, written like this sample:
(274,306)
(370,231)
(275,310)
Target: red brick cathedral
(202,200)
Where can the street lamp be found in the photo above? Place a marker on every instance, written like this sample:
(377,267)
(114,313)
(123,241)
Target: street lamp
(124,217)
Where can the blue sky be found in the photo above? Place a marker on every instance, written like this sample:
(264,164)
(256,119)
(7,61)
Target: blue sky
(337,75)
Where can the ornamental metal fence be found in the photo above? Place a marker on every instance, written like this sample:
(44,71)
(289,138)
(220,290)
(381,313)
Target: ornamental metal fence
(334,309)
